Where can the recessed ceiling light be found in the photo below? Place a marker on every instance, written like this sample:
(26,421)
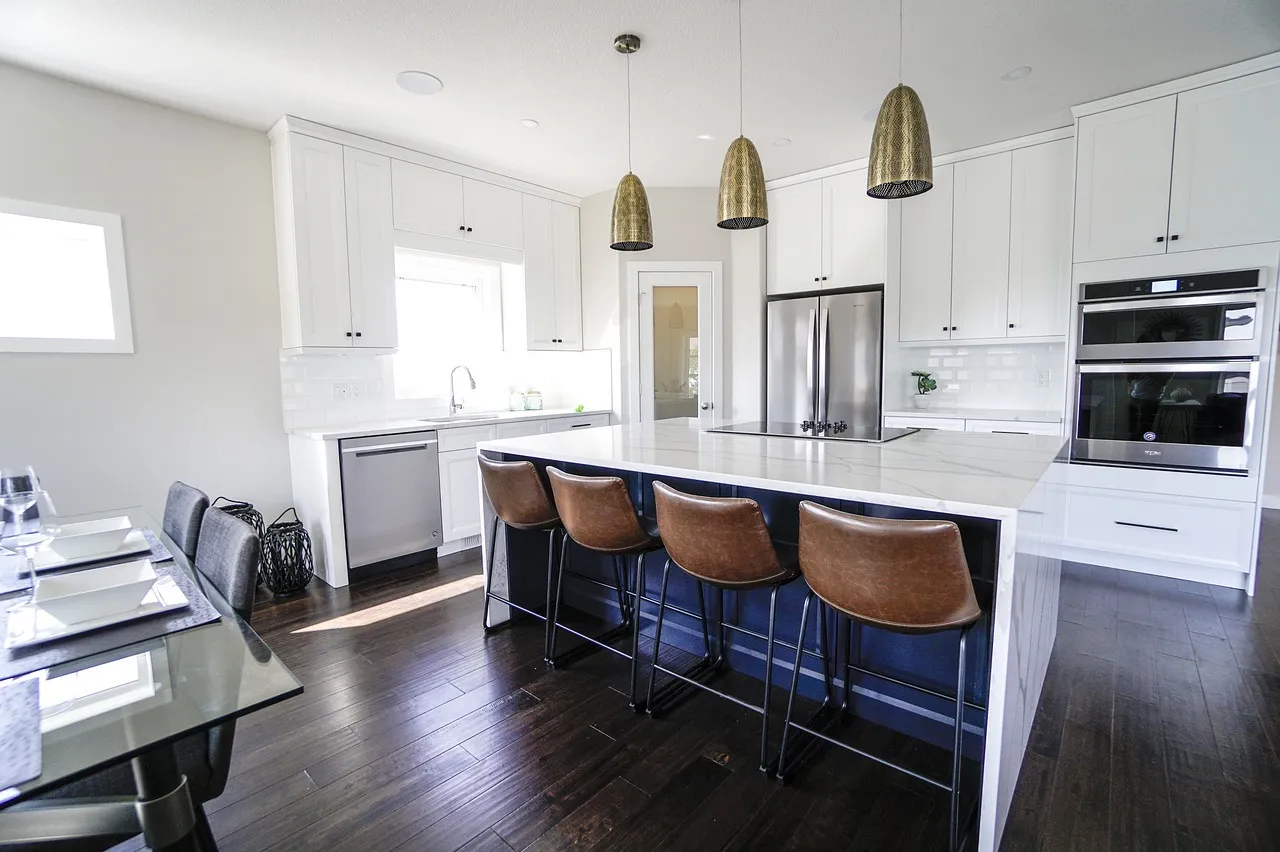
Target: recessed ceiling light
(1016,73)
(528,122)
(419,82)
(871,114)
(782,142)
(705,136)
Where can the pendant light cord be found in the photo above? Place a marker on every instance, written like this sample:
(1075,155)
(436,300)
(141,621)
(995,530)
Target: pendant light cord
(740,110)
(628,113)
(901,39)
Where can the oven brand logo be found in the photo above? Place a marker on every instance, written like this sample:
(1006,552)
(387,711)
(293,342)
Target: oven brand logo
(1148,436)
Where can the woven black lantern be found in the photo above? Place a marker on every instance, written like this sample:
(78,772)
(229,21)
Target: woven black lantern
(245,512)
(286,555)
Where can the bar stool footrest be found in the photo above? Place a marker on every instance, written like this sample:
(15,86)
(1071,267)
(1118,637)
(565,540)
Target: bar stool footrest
(689,679)
(591,644)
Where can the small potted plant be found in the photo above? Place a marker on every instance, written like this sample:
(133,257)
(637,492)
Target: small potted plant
(924,384)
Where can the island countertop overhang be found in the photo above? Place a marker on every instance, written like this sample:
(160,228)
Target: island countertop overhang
(973,474)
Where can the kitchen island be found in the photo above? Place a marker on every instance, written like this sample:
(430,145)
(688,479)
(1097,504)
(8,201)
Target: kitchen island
(994,486)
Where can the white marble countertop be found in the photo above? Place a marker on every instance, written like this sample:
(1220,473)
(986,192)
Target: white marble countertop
(1013,414)
(963,473)
(397,427)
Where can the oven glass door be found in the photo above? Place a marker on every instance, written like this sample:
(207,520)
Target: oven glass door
(1219,325)
(1196,415)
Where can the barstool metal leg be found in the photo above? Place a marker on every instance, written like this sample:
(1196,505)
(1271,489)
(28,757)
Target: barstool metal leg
(795,686)
(768,679)
(709,655)
(551,579)
(959,741)
(488,577)
(554,615)
(637,705)
(657,635)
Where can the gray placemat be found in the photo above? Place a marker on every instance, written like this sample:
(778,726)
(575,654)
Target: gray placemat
(19,732)
(19,661)
(8,584)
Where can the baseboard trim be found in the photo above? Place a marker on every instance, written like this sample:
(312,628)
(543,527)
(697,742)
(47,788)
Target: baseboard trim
(1271,501)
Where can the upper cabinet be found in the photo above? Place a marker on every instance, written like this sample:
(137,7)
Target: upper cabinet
(1190,171)
(986,253)
(825,234)
(440,204)
(552,292)
(1039,245)
(333,238)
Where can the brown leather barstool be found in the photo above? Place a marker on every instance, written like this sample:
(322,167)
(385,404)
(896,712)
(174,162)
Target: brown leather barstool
(903,576)
(520,501)
(598,515)
(721,542)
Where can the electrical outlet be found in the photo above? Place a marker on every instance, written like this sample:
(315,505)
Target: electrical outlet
(342,391)
(1042,378)
(357,391)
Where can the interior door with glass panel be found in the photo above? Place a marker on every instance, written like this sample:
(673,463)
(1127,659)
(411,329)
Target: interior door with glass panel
(676,346)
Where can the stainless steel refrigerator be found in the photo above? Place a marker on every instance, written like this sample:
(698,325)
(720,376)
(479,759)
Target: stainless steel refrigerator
(824,363)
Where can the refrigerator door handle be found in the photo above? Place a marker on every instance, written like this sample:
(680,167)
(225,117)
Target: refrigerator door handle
(824,322)
(811,350)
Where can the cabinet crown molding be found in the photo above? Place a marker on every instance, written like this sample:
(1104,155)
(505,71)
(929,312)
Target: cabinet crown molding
(292,124)
(1182,84)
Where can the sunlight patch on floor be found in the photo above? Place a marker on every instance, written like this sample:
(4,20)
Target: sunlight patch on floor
(399,606)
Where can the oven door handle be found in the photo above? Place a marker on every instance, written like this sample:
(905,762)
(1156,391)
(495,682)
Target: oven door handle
(1253,297)
(1161,367)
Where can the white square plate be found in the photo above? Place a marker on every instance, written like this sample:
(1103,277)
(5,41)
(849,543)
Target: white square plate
(96,593)
(89,538)
(134,543)
(30,625)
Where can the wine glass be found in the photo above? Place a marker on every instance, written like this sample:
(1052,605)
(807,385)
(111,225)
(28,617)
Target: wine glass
(20,492)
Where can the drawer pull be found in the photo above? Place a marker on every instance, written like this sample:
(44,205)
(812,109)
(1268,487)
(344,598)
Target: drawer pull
(1009,432)
(579,425)
(1146,526)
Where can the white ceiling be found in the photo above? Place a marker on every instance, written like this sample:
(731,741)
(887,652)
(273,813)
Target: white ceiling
(813,68)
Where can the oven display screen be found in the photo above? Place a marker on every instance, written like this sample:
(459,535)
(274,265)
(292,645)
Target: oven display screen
(1169,286)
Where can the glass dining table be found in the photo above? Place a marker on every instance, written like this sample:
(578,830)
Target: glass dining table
(134,703)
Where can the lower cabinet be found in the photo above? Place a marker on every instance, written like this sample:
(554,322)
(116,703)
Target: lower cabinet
(459,494)
(969,424)
(945,424)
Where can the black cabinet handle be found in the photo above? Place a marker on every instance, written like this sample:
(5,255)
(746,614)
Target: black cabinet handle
(1146,526)
(1159,239)
(358,334)
(944,328)
(348,334)
(824,278)
(815,279)
(1174,237)
(468,230)
(1010,325)
(462,227)
(953,328)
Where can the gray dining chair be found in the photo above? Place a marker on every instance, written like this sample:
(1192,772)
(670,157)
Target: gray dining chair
(184,508)
(227,558)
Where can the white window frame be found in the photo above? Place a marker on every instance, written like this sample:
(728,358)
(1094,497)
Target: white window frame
(117,280)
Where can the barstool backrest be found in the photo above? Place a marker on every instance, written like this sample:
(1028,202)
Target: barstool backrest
(723,540)
(597,511)
(517,493)
(907,576)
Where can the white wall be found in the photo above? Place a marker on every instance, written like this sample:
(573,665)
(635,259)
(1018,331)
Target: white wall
(199,400)
(684,228)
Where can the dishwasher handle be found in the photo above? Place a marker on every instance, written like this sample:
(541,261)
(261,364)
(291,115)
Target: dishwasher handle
(385,449)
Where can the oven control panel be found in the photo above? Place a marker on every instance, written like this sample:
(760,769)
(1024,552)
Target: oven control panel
(1216,282)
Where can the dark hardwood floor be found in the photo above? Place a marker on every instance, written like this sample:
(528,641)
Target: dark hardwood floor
(1158,729)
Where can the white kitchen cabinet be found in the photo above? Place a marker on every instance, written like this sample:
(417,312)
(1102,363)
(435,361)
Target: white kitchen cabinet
(1226,165)
(370,249)
(854,232)
(460,494)
(980,247)
(580,421)
(334,245)
(1013,427)
(943,424)
(552,293)
(1123,180)
(427,201)
(492,214)
(521,428)
(925,297)
(1040,241)
(794,238)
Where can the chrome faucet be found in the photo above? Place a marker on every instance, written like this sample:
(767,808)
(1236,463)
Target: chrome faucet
(454,405)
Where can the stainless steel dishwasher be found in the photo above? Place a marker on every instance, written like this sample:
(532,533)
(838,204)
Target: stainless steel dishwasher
(390,497)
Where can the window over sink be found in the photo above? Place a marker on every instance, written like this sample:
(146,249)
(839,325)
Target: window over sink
(449,312)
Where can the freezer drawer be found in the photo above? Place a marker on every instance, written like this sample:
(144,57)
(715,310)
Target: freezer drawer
(390,496)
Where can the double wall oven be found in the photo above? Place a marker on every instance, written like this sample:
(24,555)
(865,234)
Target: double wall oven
(1167,372)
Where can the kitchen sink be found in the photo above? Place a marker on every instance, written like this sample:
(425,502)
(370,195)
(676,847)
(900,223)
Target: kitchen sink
(460,418)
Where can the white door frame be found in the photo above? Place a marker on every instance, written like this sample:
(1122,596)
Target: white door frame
(716,344)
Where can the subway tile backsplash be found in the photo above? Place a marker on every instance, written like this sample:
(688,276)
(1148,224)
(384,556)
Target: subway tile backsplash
(1006,375)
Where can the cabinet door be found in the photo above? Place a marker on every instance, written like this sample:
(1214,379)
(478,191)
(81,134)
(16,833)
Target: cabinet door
(460,494)
(794,238)
(1123,160)
(925,309)
(1013,427)
(539,274)
(565,247)
(1226,165)
(492,214)
(854,235)
(980,248)
(1040,240)
(320,238)
(370,248)
(426,201)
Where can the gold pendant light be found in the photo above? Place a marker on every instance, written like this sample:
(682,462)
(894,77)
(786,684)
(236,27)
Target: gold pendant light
(743,203)
(632,228)
(901,162)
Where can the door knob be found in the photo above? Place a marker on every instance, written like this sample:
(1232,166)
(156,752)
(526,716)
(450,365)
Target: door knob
(706,406)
